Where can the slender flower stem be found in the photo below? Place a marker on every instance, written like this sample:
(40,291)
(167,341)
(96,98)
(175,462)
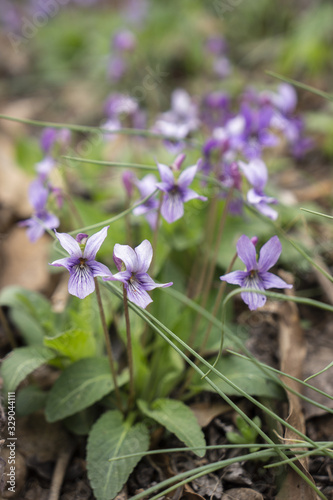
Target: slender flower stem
(129,350)
(155,236)
(210,326)
(211,268)
(202,261)
(108,345)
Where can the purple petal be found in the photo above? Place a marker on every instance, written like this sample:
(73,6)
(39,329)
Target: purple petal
(253,300)
(247,252)
(94,243)
(123,276)
(166,174)
(98,269)
(51,221)
(255,172)
(125,254)
(266,210)
(189,194)
(81,282)
(269,254)
(35,230)
(235,277)
(144,254)
(69,244)
(138,295)
(148,283)
(172,207)
(187,176)
(67,262)
(271,281)
(38,195)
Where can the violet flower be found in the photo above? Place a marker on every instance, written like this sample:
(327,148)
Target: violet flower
(181,119)
(256,275)
(133,266)
(176,191)
(256,173)
(41,219)
(81,263)
(147,185)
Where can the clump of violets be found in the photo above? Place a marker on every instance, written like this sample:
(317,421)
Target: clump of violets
(133,266)
(81,263)
(176,190)
(41,219)
(256,275)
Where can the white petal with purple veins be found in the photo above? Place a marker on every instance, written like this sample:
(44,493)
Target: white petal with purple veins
(125,254)
(172,207)
(144,254)
(69,244)
(94,243)
(81,282)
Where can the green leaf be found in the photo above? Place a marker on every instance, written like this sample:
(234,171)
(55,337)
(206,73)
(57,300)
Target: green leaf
(178,419)
(23,361)
(111,437)
(30,399)
(29,328)
(245,374)
(75,343)
(30,312)
(79,386)
(80,423)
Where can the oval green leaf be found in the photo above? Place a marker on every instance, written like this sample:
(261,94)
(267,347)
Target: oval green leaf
(110,438)
(178,419)
(79,386)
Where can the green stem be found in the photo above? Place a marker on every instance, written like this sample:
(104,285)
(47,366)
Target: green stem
(108,345)
(129,350)
(211,270)
(155,236)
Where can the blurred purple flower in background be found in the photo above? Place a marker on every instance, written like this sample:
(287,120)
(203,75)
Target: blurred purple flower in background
(146,186)
(41,218)
(256,173)
(256,275)
(133,266)
(181,119)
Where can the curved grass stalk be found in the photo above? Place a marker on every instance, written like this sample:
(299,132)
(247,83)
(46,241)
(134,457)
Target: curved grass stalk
(298,457)
(320,372)
(110,163)
(279,296)
(227,447)
(87,128)
(186,477)
(229,334)
(317,213)
(266,368)
(301,85)
(115,217)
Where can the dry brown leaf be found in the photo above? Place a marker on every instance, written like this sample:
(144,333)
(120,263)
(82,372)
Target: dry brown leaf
(24,263)
(318,359)
(206,412)
(242,494)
